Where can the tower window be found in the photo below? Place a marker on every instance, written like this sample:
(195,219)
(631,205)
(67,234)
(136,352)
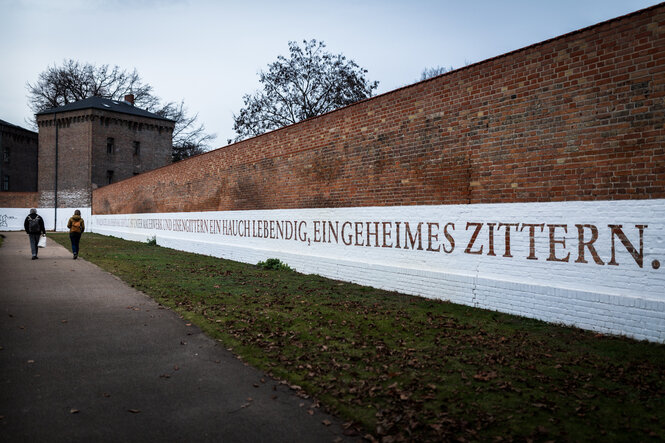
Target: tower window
(5,183)
(109,177)
(137,148)
(5,154)
(110,145)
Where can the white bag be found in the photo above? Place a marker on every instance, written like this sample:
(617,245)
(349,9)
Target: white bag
(42,242)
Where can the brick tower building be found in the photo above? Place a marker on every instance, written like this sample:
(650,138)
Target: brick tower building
(95,142)
(18,158)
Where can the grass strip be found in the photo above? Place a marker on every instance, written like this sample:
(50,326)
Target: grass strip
(399,367)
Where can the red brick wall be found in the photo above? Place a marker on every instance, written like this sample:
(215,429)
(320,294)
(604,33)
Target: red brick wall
(579,117)
(19,200)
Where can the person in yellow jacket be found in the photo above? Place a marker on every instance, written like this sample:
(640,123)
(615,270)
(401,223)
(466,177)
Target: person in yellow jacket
(76,227)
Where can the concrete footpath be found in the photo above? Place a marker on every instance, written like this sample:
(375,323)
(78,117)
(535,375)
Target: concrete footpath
(86,358)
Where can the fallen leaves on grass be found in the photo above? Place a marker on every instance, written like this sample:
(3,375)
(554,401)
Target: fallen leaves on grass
(403,368)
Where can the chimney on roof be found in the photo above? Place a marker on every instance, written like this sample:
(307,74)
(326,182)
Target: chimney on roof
(129,98)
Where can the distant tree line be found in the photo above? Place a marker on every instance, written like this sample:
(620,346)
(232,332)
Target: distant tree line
(434,72)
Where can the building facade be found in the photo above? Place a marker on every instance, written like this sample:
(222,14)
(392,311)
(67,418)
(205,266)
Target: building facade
(95,142)
(18,158)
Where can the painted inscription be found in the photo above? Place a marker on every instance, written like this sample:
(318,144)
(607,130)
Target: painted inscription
(552,242)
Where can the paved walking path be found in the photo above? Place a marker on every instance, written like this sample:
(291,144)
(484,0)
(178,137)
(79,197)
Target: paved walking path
(85,358)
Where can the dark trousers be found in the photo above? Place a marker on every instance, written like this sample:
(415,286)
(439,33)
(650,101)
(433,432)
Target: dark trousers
(34,239)
(75,237)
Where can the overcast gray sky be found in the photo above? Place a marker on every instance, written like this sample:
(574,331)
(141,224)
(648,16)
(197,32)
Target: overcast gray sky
(208,53)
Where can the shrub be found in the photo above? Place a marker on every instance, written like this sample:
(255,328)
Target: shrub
(152,241)
(274,264)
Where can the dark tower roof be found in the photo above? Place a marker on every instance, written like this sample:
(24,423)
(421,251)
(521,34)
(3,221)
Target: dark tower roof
(4,123)
(104,104)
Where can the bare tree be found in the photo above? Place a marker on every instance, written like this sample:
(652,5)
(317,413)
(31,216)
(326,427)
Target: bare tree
(74,81)
(433,72)
(310,82)
(189,137)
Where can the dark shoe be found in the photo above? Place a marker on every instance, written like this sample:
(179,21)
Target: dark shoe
(34,257)
(75,256)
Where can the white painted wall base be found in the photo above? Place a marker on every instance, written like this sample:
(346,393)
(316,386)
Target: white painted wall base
(595,265)
(11,219)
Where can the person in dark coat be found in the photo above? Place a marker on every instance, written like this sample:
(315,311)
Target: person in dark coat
(34,226)
(76,228)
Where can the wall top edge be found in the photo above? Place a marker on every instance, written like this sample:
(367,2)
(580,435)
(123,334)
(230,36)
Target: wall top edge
(561,204)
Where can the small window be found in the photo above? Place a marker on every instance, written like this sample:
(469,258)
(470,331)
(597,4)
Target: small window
(110,145)
(5,154)
(109,177)
(137,148)
(5,183)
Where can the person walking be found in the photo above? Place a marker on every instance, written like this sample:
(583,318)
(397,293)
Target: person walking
(76,227)
(34,226)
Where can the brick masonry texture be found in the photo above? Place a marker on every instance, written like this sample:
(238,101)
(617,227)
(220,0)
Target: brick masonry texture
(18,159)
(579,117)
(19,199)
(83,160)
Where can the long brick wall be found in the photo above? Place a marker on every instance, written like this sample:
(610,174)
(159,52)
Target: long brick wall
(532,183)
(579,117)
